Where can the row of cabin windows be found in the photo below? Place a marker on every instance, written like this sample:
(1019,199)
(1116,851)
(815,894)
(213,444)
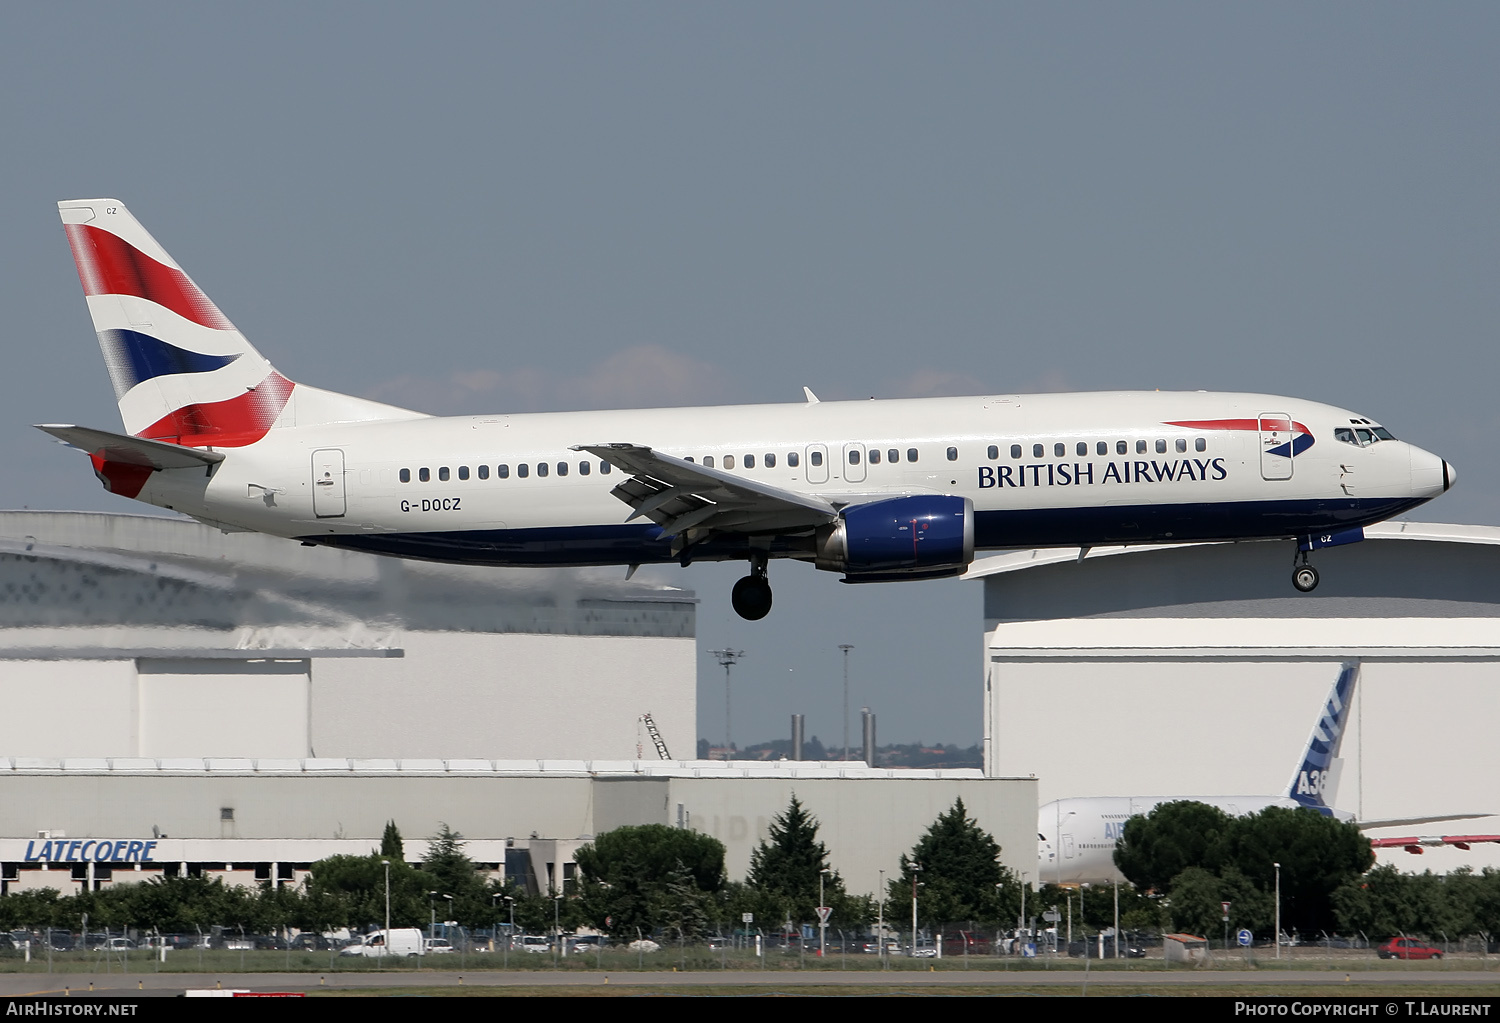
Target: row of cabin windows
(502,471)
(1081,449)
(815,458)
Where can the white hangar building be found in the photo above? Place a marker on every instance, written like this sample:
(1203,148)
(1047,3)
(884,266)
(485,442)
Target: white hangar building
(181,700)
(1199,670)
(140,636)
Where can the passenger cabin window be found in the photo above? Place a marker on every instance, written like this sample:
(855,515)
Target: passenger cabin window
(749,461)
(792,459)
(463,472)
(1015,451)
(1140,447)
(729,461)
(523,470)
(1082,449)
(708,460)
(1037,451)
(424,474)
(1199,444)
(911,454)
(541,468)
(584,468)
(443,474)
(406,475)
(993,452)
(854,456)
(1121,447)
(1161,446)
(503,471)
(770,459)
(815,457)
(484,472)
(1059,449)
(1181,445)
(874,456)
(1102,447)
(562,468)
(953,454)
(605,468)
(893,455)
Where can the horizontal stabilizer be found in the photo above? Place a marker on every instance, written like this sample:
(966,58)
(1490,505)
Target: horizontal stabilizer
(117,447)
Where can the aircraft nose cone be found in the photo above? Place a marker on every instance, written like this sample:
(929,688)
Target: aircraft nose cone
(1450,475)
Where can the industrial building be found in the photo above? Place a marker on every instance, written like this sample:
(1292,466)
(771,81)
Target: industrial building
(1196,669)
(180,700)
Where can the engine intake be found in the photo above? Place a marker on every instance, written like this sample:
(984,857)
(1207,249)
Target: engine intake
(919,537)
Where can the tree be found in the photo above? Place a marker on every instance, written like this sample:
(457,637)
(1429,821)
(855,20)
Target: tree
(390,843)
(785,869)
(448,871)
(651,876)
(957,864)
(1317,854)
(1197,898)
(1174,836)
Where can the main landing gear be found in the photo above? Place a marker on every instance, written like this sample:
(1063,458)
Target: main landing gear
(1304,576)
(751,596)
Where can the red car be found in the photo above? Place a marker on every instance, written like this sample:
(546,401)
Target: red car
(1408,948)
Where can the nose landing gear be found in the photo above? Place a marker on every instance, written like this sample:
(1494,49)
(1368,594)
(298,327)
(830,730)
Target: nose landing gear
(751,596)
(1304,576)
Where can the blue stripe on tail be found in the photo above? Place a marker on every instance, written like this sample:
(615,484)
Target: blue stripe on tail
(133,357)
(1314,778)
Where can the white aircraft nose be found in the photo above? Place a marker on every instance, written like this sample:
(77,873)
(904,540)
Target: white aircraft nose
(1430,475)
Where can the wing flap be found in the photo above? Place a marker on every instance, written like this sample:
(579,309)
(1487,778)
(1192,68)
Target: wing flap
(679,495)
(117,447)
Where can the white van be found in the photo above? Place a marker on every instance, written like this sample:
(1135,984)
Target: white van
(404,941)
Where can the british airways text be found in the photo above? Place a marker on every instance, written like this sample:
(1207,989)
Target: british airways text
(1064,474)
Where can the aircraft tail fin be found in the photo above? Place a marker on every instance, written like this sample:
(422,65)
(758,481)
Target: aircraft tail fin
(182,372)
(1315,782)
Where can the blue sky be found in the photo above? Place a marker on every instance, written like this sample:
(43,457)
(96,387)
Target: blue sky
(526,206)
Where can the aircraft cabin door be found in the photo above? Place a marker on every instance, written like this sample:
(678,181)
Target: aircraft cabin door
(817,463)
(1275,446)
(328,483)
(854,463)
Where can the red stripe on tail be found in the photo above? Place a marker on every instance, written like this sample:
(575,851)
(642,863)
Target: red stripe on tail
(233,423)
(109,265)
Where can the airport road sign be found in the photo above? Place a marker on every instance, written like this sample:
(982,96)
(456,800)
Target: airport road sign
(1244,936)
(823,913)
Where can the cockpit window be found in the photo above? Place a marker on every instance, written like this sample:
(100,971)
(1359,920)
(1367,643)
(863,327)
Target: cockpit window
(1366,438)
(1383,434)
(1344,434)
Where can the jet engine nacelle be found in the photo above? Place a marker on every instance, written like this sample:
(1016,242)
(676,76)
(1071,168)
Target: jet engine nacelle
(922,537)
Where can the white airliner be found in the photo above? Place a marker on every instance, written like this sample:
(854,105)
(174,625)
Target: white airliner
(875,490)
(1076,838)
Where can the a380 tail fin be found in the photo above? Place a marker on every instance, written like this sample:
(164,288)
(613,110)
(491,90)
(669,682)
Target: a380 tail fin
(181,371)
(1315,782)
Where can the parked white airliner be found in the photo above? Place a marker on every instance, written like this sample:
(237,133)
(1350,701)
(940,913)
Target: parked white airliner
(1076,838)
(876,490)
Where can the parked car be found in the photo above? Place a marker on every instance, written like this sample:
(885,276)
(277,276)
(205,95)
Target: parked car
(1408,948)
(535,943)
(586,943)
(310,942)
(103,944)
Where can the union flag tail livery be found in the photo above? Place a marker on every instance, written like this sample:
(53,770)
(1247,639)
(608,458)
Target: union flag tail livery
(182,372)
(878,491)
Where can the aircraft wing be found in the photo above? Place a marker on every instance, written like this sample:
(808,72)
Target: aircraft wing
(117,447)
(679,495)
(1411,822)
(1415,843)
